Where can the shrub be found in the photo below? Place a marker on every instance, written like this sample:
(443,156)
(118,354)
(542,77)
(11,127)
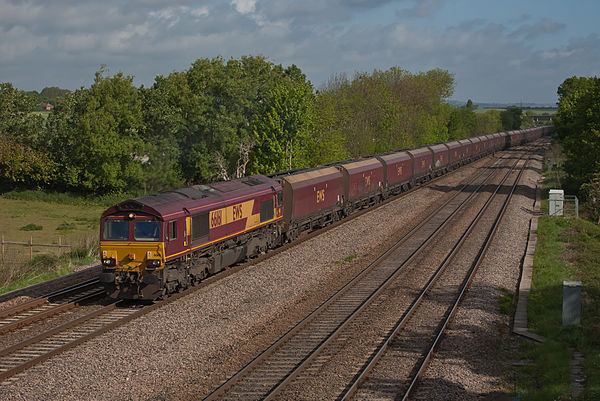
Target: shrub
(31,227)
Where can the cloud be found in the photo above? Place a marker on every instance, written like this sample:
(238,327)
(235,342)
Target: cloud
(492,60)
(244,6)
(542,27)
(421,9)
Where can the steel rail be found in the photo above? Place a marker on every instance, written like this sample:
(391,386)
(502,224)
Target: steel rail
(46,298)
(225,386)
(371,363)
(48,310)
(466,284)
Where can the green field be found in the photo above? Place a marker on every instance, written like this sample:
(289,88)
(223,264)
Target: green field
(47,218)
(46,222)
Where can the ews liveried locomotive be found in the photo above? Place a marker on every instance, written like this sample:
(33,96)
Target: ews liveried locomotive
(158,244)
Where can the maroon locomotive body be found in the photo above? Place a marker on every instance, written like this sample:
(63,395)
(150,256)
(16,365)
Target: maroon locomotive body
(160,243)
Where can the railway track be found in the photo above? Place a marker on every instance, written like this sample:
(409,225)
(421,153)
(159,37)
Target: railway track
(387,357)
(44,307)
(20,356)
(27,353)
(38,348)
(279,365)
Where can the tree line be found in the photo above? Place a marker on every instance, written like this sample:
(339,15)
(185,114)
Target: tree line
(577,127)
(223,119)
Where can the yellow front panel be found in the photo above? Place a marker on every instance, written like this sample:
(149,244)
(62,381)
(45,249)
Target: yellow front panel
(132,256)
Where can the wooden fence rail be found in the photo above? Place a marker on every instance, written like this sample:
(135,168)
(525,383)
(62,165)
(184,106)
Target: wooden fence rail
(31,245)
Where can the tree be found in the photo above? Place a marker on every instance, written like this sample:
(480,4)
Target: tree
(94,135)
(52,93)
(277,126)
(16,120)
(22,165)
(511,118)
(578,128)
(218,111)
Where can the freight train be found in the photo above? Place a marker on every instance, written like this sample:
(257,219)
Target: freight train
(159,244)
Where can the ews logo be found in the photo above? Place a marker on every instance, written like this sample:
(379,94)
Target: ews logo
(237,212)
(321,195)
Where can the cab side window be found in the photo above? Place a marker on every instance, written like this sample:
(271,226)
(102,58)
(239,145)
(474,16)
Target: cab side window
(172,230)
(199,226)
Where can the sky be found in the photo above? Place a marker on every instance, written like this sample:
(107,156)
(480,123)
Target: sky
(509,51)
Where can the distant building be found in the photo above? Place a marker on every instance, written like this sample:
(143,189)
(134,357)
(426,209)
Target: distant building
(46,106)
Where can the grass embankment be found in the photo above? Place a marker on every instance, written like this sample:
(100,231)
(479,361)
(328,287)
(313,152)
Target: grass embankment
(568,249)
(47,218)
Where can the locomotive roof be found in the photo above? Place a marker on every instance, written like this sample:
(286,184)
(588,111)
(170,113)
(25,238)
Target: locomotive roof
(195,197)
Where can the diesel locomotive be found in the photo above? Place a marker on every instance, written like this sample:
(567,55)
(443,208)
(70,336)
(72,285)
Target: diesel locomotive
(158,244)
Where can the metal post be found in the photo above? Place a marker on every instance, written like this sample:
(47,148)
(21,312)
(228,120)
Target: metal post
(571,302)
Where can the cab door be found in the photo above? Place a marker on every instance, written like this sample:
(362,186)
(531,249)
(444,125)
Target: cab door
(187,232)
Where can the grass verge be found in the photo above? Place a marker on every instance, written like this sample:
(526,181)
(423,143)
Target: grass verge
(567,249)
(45,267)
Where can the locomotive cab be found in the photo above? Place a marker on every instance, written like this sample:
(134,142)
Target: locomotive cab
(132,254)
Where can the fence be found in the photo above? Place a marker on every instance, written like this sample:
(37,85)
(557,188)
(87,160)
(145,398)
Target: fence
(16,258)
(571,205)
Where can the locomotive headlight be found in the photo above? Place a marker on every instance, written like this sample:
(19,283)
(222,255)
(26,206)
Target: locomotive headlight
(109,262)
(153,263)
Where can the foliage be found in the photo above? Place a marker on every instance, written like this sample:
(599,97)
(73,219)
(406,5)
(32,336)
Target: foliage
(93,134)
(577,127)
(221,119)
(67,198)
(20,164)
(16,121)
(378,112)
(511,118)
(591,191)
(31,227)
(278,125)
(51,94)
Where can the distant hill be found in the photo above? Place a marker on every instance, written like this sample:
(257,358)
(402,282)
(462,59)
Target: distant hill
(48,94)
(505,105)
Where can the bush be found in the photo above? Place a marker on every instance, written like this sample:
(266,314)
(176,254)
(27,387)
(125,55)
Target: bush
(64,226)
(31,227)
